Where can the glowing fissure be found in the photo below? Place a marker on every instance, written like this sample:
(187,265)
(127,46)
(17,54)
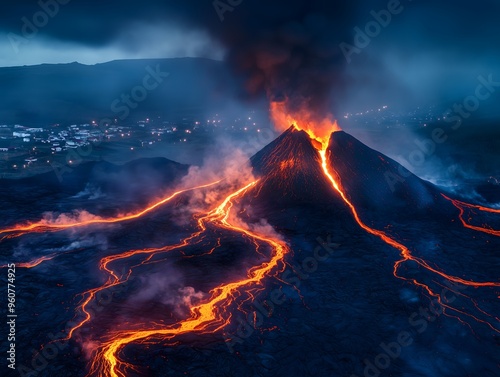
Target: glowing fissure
(47,226)
(461,207)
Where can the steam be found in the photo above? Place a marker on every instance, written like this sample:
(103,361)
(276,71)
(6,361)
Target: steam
(26,250)
(166,288)
(90,192)
(227,163)
(77,216)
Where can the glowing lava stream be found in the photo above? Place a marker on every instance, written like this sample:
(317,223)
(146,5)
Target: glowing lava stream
(320,142)
(41,227)
(44,226)
(461,207)
(209,316)
(475,206)
(405,252)
(114,280)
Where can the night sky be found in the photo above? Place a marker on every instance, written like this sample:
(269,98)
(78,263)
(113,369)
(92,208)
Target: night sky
(429,51)
(331,57)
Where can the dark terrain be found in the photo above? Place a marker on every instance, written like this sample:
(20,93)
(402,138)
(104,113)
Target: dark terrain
(334,317)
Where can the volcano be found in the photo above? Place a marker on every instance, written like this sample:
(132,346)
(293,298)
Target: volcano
(290,170)
(291,176)
(292,164)
(332,260)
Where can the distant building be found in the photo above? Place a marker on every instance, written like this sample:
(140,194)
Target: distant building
(20,134)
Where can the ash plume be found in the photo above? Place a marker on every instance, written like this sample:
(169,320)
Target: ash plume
(289,49)
(286,49)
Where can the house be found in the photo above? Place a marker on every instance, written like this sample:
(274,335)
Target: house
(20,134)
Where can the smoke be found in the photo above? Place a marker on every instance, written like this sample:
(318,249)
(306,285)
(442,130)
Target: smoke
(99,241)
(27,249)
(227,163)
(262,227)
(284,48)
(90,192)
(89,347)
(166,288)
(289,50)
(74,217)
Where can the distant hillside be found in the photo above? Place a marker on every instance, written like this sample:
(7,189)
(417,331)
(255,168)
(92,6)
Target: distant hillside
(75,92)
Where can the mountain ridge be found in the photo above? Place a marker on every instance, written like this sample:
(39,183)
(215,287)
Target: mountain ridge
(74,92)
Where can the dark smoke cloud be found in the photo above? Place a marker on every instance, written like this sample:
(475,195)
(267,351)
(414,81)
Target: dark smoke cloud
(290,48)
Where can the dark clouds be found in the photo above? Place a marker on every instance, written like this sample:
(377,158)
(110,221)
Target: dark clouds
(290,48)
(287,48)
(90,23)
(431,53)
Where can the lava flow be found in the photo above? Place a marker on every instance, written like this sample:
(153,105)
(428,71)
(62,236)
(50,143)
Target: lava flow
(43,226)
(207,317)
(115,280)
(461,207)
(320,139)
(215,312)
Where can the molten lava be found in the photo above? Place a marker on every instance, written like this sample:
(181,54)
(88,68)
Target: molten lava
(461,206)
(68,223)
(319,130)
(215,312)
(207,317)
(321,142)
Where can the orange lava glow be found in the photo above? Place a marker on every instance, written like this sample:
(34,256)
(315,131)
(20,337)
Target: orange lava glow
(214,312)
(35,262)
(318,130)
(47,226)
(207,317)
(461,207)
(320,141)
(114,279)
